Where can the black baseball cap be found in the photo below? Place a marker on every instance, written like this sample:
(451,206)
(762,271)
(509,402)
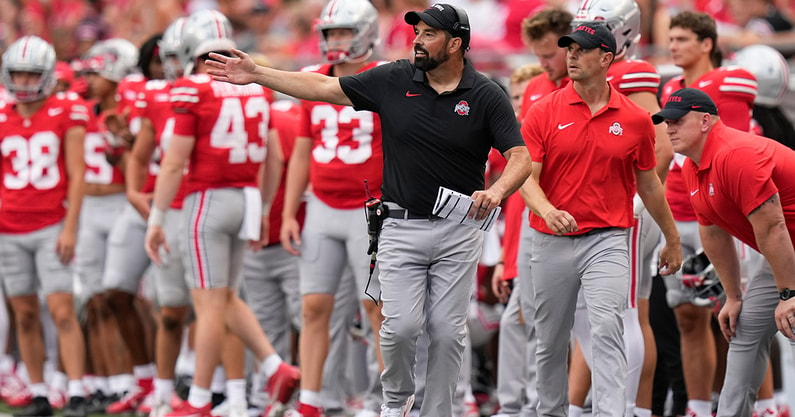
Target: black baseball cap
(590,35)
(443,16)
(683,102)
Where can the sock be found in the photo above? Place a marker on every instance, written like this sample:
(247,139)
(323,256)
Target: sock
(781,398)
(144,373)
(89,383)
(700,407)
(7,364)
(163,390)
(308,397)
(219,378)
(642,412)
(762,405)
(58,381)
(271,364)
(236,391)
(76,388)
(38,390)
(102,384)
(199,397)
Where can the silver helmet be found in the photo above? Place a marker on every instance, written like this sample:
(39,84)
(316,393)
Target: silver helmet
(112,59)
(770,69)
(29,54)
(622,17)
(169,46)
(358,15)
(203,32)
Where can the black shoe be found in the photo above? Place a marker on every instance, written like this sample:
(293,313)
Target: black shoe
(75,408)
(99,402)
(39,406)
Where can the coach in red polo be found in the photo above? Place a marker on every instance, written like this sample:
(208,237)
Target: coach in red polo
(592,147)
(740,185)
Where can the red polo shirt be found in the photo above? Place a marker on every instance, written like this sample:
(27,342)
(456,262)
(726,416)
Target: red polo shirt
(589,160)
(738,172)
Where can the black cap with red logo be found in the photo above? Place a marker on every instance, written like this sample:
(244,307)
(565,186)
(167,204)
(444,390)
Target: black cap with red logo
(590,35)
(683,102)
(443,16)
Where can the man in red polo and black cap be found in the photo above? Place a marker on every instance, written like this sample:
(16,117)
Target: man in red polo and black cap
(740,185)
(592,149)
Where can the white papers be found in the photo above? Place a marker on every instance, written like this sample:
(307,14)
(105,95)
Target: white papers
(454,206)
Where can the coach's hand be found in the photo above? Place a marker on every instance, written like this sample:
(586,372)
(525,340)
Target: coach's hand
(484,201)
(239,69)
(785,317)
(560,222)
(727,318)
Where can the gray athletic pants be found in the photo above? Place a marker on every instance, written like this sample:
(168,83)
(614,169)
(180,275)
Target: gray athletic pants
(599,263)
(749,350)
(427,271)
(516,372)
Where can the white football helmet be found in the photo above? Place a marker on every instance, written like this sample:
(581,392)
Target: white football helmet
(112,59)
(203,32)
(169,45)
(29,54)
(622,17)
(770,69)
(358,15)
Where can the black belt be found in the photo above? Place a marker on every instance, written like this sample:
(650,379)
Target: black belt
(595,231)
(399,213)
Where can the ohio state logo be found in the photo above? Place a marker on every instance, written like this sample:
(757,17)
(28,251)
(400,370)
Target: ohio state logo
(462,108)
(616,129)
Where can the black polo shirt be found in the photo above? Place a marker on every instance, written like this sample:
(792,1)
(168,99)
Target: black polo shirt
(432,140)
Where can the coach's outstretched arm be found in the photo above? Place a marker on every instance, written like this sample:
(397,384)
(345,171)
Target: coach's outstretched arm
(311,86)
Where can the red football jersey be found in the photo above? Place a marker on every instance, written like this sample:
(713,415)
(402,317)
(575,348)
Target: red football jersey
(127,93)
(230,124)
(154,104)
(286,116)
(733,90)
(33,163)
(634,76)
(98,169)
(346,149)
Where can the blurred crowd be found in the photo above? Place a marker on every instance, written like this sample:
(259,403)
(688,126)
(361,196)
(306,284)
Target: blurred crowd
(283,30)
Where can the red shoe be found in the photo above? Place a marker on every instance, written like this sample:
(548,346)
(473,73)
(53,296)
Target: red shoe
(57,398)
(188,410)
(303,410)
(283,383)
(14,391)
(129,402)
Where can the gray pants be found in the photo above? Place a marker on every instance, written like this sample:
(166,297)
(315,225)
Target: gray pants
(749,351)
(427,271)
(516,372)
(599,263)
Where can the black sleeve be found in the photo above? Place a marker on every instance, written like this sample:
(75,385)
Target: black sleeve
(502,122)
(366,89)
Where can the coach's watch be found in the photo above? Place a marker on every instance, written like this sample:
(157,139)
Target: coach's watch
(786,294)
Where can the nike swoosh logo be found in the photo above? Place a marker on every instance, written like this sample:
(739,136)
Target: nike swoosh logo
(535,97)
(692,193)
(561,127)
(54,111)
(703,84)
(409,94)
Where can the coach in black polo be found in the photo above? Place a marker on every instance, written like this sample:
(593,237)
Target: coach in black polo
(439,120)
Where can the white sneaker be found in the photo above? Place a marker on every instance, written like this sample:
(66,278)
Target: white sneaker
(398,412)
(229,409)
(366,413)
(221,410)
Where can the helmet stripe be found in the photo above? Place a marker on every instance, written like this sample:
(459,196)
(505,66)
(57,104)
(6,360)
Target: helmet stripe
(25,47)
(332,8)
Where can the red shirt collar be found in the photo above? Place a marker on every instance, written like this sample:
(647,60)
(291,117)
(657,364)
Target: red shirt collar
(571,97)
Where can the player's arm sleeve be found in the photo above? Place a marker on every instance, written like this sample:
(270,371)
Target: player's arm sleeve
(78,114)
(184,101)
(642,77)
(365,89)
